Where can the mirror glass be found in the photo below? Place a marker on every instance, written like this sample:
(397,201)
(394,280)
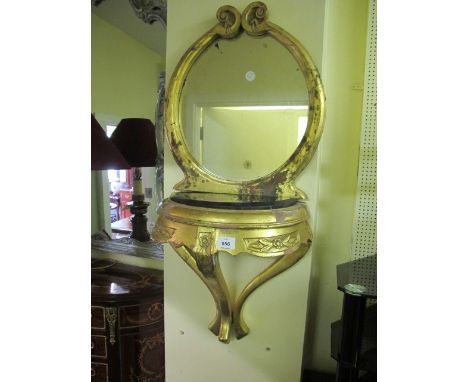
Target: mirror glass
(244,107)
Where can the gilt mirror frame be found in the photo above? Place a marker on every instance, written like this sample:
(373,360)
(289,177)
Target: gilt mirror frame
(279,183)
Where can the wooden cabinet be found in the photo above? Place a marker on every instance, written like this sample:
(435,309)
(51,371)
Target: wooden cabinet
(127,323)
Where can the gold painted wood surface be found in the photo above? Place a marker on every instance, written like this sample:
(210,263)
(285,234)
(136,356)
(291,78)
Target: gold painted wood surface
(194,233)
(279,184)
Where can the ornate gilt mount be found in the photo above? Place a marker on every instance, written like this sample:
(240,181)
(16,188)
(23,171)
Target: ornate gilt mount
(273,244)
(111,317)
(283,234)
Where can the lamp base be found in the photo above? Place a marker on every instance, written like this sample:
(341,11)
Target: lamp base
(139,220)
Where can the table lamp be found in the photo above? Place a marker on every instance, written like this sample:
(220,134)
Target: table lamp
(135,138)
(104,154)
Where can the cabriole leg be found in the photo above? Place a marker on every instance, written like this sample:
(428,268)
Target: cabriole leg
(206,266)
(284,262)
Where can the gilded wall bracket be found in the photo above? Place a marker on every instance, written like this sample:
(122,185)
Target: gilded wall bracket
(196,234)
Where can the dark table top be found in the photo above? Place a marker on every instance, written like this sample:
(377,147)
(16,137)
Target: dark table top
(358,277)
(110,278)
(230,201)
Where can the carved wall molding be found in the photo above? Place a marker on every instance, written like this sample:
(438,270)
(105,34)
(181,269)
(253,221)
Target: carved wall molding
(149,11)
(160,139)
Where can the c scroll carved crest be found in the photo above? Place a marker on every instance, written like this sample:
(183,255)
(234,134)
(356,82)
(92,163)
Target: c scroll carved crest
(229,21)
(254,18)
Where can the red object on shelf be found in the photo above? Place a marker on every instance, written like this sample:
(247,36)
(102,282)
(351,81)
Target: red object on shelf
(125,197)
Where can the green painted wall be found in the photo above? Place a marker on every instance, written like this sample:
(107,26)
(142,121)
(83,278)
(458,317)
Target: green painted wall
(124,73)
(124,82)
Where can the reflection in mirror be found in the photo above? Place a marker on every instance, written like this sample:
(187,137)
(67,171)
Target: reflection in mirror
(120,89)
(243,118)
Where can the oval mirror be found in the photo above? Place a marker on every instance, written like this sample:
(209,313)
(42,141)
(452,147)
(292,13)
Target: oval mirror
(244,111)
(243,118)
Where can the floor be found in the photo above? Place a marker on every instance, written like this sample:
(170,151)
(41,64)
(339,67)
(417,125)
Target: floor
(314,376)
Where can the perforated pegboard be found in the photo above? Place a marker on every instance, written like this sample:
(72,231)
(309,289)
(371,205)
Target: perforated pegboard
(365,220)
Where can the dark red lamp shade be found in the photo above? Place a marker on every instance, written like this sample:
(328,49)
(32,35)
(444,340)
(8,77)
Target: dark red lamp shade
(136,140)
(104,154)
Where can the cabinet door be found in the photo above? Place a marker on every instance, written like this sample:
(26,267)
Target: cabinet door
(97,317)
(99,372)
(142,355)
